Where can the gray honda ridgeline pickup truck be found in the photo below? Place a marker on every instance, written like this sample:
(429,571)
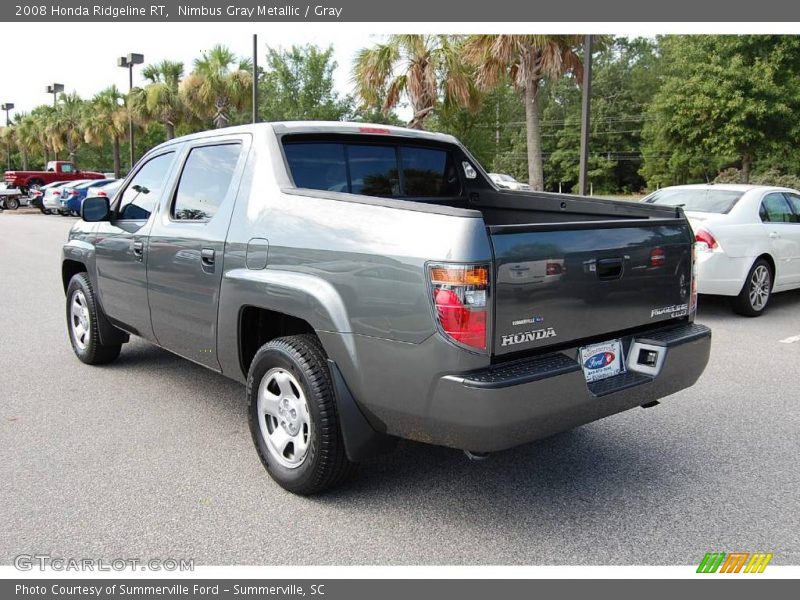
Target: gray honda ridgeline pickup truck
(369,283)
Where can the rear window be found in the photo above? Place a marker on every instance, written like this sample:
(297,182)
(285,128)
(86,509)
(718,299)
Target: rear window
(696,200)
(384,170)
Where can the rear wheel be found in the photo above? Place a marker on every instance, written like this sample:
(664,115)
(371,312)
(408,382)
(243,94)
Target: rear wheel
(12,203)
(82,324)
(757,290)
(293,417)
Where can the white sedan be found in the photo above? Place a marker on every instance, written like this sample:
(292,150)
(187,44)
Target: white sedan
(748,239)
(507,182)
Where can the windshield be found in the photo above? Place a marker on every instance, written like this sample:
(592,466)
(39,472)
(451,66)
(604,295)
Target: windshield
(696,200)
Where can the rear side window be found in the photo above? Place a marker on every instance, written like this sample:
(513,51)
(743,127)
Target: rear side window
(428,172)
(318,166)
(373,169)
(794,200)
(775,209)
(140,197)
(205,181)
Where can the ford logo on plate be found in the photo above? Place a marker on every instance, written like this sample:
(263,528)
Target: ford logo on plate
(599,360)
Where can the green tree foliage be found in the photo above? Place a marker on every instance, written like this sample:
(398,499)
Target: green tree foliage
(723,101)
(297,85)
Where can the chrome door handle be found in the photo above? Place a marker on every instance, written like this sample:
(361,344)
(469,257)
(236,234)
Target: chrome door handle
(207,256)
(138,250)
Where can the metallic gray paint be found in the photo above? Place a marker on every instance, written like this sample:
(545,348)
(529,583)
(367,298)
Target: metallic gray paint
(354,268)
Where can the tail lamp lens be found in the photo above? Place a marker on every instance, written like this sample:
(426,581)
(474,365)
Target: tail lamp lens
(657,257)
(693,290)
(705,241)
(553,268)
(460,299)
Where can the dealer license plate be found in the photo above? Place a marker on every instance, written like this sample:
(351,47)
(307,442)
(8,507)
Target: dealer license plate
(601,361)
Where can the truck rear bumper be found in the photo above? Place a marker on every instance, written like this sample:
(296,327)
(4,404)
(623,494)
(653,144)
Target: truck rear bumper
(514,403)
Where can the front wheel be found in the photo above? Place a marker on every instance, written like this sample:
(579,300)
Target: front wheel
(293,417)
(82,324)
(12,203)
(756,292)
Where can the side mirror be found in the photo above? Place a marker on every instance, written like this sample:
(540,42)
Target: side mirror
(95,209)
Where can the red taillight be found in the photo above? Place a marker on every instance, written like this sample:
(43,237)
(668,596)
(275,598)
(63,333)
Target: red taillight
(553,268)
(102,194)
(36,193)
(460,298)
(693,288)
(705,240)
(657,257)
(379,130)
(74,193)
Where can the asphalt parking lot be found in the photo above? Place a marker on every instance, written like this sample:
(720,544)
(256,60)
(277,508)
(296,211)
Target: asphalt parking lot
(151,457)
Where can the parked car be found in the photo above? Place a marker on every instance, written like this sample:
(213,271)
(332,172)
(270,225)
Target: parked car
(748,239)
(508,182)
(385,310)
(37,196)
(52,199)
(10,198)
(107,191)
(72,195)
(56,170)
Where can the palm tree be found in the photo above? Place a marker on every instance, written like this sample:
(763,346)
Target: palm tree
(159,101)
(106,120)
(220,84)
(426,69)
(527,60)
(8,138)
(42,116)
(65,129)
(27,137)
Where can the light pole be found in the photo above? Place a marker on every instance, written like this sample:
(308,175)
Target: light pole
(586,104)
(255,78)
(128,62)
(55,89)
(7,107)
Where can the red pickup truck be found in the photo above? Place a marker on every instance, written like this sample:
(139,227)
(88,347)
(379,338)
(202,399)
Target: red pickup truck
(57,170)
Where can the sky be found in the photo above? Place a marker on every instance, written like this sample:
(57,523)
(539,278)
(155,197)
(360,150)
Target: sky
(86,63)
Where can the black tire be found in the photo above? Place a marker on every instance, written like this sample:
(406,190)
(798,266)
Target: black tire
(12,203)
(325,464)
(749,302)
(88,348)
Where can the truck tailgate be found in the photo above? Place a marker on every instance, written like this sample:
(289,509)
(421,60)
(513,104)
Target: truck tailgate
(557,283)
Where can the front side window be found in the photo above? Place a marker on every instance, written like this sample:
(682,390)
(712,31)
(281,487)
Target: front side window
(140,197)
(205,181)
(68,168)
(775,209)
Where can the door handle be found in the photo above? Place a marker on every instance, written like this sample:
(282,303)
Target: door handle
(138,250)
(207,256)
(774,234)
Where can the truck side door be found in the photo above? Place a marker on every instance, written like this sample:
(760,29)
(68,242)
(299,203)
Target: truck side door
(186,247)
(121,246)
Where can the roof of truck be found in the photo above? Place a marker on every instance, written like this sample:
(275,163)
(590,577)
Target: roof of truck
(282,127)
